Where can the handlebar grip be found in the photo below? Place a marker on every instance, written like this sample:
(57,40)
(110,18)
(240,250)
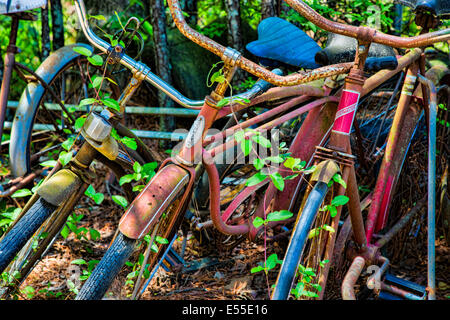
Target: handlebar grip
(374,64)
(263,85)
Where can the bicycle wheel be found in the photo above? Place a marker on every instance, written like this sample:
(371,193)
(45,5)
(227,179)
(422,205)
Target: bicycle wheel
(17,237)
(40,125)
(306,264)
(124,248)
(38,244)
(296,248)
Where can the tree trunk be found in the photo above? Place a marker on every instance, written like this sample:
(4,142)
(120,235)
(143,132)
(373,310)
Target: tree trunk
(233,9)
(45,49)
(57,24)
(163,67)
(268,8)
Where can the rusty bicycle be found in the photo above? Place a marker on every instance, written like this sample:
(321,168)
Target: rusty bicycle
(47,210)
(323,138)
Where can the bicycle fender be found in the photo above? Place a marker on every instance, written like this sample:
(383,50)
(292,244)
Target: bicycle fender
(59,187)
(152,202)
(29,101)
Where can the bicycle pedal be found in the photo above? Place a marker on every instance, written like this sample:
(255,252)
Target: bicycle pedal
(395,288)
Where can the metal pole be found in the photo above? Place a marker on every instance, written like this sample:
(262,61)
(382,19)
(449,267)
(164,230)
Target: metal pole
(431,188)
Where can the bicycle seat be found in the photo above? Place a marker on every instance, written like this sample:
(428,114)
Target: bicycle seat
(341,49)
(438,8)
(13,6)
(281,41)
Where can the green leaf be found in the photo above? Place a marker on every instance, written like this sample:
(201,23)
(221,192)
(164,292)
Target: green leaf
(258,222)
(48,163)
(138,188)
(97,17)
(246,147)
(87,101)
(21,193)
(34,189)
(275,159)
(96,81)
(217,77)
(79,122)
(239,135)
(98,197)
(338,178)
(328,228)
(65,157)
(120,200)
(65,232)
(126,179)
(314,233)
(94,234)
(277,180)
(258,163)
(310,170)
(272,261)
(149,167)
(333,211)
(111,103)
(83,51)
(291,162)
(279,215)
(259,139)
(223,102)
(256,269)
(255,179)
(154,248)
(78,261)
(161,240)
(96,60)
(137,167)
(129,142)
(68,143)
(339,200)
(90,191)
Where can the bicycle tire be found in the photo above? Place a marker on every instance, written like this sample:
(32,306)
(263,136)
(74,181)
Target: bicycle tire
(298,240)
(108,268)
(16,238)
(122,248)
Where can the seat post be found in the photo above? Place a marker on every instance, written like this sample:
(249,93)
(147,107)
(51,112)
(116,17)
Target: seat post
(7,72)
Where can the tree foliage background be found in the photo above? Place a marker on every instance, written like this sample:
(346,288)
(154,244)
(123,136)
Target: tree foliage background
(175,59)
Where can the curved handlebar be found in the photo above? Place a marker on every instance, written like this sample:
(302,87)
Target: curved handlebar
(370,34)
(247,65)
(362,33)
(132,64)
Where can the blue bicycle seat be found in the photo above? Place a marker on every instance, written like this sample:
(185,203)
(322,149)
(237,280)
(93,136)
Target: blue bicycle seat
(281,41)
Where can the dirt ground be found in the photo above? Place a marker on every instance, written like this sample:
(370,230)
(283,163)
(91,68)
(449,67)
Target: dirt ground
(229,277)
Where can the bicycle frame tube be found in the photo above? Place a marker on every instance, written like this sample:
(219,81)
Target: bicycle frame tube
(404,121)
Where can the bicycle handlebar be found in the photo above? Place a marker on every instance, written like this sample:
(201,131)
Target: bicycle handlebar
(366,33)
(362,33)
(132,64)
(247,65)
